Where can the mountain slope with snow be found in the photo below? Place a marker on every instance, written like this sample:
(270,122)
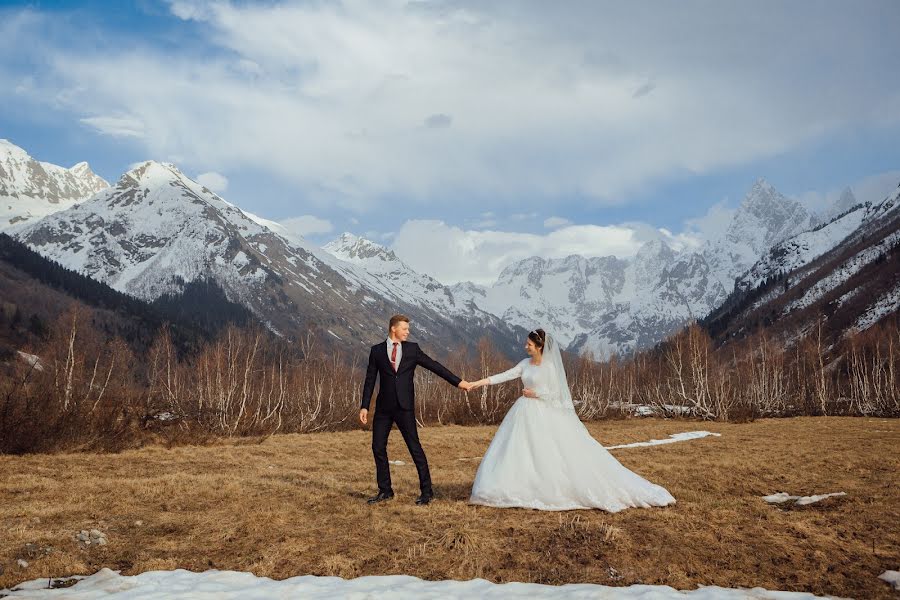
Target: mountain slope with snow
(609,305)
(802,248)
(394,277)
(30,189)
(848,287)
(156,230)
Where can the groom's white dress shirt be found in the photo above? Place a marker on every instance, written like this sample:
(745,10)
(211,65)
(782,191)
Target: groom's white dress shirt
(390,348)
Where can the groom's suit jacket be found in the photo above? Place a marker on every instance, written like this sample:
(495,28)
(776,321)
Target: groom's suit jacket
(397,389)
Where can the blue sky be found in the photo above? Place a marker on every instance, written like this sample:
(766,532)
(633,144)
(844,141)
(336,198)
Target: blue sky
(437,126)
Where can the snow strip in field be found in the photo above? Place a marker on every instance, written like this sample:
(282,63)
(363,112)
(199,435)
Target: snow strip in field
(675,437)
(222,585)
(892,578)
(801,500)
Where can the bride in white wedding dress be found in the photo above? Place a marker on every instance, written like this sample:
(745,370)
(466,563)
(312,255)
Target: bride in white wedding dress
(543,456)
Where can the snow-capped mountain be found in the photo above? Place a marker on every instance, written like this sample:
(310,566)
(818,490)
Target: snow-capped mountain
(609,305)
(764,218)
(395,277)
(156,229)
(564,295)
(844,203)
(800,249)
(30,189)
(848,285)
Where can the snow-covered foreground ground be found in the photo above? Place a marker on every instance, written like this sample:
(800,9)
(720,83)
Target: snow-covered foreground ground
(181,584)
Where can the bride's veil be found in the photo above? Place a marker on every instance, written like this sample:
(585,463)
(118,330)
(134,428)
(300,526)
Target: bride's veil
(560,393)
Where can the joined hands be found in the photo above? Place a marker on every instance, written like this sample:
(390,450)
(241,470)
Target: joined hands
(468,386)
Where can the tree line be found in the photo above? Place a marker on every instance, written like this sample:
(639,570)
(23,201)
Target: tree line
(85,390)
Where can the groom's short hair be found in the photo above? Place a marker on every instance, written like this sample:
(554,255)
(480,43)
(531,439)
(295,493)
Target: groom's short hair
(397,319)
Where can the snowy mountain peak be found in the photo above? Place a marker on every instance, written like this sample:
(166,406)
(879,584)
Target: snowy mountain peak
(83,172)
(845,202)
(353,248)
(10,150)
(151,170)
(526,269)
(761,187)
(764,218)
(762,197)
(161,184)
(654,250)
(30,189)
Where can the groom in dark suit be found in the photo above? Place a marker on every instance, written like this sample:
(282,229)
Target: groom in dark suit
(394,362)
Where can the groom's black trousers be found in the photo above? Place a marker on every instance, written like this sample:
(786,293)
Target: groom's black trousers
(384,418)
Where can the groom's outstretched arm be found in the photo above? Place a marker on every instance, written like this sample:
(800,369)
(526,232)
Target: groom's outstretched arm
(437,368)
(369,384)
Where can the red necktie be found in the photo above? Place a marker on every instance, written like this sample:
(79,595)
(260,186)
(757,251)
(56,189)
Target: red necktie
(394,357)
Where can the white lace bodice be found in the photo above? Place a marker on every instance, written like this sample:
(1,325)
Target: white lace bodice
(539,378)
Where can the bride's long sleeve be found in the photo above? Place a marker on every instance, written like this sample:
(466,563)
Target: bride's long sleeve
(509,375)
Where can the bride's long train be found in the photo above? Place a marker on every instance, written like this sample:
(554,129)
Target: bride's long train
(544,458)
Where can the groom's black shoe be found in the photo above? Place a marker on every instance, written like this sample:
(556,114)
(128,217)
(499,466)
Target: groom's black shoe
(381,497)
(424,499)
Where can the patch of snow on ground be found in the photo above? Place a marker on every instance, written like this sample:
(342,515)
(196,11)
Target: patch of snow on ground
(892,578)
(675,437)
(32,360)
(781,497)
(224,585)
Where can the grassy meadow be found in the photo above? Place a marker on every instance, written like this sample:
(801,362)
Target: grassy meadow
(295,504)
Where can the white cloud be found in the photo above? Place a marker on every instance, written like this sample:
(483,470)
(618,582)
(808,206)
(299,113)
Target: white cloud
(116,126)
(307,225)
(876,187)
(214,181)
(556,222)
(190,10)
(712,224)
(357,101)
(25,85)
(451,254)
(869,189)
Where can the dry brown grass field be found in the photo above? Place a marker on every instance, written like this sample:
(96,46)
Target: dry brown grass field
(295,504)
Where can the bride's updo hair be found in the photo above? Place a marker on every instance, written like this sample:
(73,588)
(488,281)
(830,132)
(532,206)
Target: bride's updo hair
(538,337)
